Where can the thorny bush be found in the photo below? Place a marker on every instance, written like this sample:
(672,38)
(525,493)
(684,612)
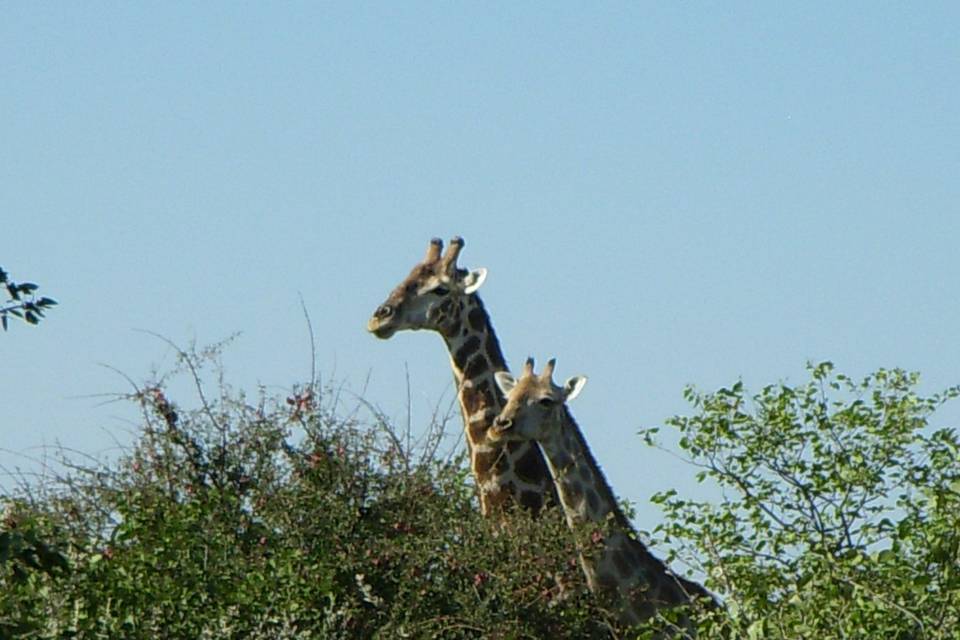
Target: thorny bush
(280,517)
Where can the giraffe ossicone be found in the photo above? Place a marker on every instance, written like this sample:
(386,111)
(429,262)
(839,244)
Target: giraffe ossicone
(617,565)
(439,296)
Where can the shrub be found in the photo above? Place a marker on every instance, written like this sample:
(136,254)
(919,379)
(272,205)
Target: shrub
(283,517)
(293,517)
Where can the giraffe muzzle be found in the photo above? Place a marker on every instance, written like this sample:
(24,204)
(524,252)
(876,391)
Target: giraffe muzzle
(380,323)
(502,425)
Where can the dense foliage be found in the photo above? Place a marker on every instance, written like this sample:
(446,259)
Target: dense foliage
(293,517)
(281,517)
(840,515)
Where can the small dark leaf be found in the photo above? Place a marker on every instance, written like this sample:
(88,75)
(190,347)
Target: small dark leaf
(5,542)
(3,276)
(46,302)
(50,559)
(3,321)
(29,558)
(31,317)
(13,291)
(27,287)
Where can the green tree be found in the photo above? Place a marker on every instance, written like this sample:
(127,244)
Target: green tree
(22,302)
(840,515)
(290,517)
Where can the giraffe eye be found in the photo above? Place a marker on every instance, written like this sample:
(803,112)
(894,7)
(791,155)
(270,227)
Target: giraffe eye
(440,291)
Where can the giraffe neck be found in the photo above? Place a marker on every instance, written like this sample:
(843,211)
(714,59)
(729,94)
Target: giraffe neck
(615,562)
(504,472)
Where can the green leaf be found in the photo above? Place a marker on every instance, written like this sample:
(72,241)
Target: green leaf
(756,630)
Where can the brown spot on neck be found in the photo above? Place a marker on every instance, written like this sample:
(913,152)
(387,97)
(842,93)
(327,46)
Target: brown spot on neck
(531,466)
(476,367)
(475,399)
(478,318)
(494,353)
(462,355)
(484,462)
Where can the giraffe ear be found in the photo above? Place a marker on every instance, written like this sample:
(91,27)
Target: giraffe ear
(573,386)
(505,381)
(473,280)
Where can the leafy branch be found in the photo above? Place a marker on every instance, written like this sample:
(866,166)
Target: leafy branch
(22,302)
(839,509)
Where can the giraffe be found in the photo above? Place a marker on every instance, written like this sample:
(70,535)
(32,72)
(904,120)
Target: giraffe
(617,565)
(440,297)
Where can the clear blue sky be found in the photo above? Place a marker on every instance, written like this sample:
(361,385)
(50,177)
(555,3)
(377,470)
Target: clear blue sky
(664,193)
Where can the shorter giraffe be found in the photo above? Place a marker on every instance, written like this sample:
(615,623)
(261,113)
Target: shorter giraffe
(617,565)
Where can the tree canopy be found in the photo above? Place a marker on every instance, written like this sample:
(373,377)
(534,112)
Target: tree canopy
(293,517)
(840,515)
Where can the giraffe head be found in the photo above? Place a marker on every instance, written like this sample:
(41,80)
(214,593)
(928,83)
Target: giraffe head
(431,296)
(534,403)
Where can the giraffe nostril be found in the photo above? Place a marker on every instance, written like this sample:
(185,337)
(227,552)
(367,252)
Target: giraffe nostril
(503,424)
(383,311)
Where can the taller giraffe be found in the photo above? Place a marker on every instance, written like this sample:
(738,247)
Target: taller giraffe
(618,566)
(439,296)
